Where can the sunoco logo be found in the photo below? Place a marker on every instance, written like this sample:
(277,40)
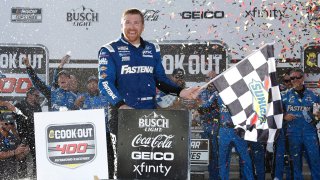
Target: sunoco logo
(153,122)
(82,17)
(260,99)
(71,145)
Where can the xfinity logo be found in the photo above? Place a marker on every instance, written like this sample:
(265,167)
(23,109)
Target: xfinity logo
(126,69)
(265,13)
(82,16)
(151,15)
(202,14)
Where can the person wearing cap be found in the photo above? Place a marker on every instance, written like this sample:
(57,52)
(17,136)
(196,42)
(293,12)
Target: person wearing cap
(92,99)
(11,149)
(169,101)
(25,126)
(60,98)
(209,116)
(73,83)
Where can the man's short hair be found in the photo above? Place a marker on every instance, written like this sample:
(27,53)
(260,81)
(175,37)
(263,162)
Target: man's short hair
(133,11)
(31,90)
(297,70)
(64,72)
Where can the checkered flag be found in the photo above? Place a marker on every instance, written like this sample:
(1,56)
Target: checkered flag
(251,92)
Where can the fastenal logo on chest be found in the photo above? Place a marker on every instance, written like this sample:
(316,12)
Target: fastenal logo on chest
(153,122)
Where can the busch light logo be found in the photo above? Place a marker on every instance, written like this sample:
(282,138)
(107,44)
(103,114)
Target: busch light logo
(153,122)
(82,16)
(151,15)
(260,100)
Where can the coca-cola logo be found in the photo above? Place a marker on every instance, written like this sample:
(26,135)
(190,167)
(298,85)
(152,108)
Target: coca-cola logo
(160,141)
(151,15)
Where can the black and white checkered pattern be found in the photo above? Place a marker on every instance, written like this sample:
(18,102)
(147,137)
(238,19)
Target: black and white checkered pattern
(233,87)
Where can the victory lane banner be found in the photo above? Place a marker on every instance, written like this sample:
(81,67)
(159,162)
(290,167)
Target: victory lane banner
(153,144)
(71,145)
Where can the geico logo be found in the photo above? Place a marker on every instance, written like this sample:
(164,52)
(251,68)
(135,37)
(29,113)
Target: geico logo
(202,14)
(73,133)
(12,61)
(163,123)
(158,156)
(136,69)
(195,63)
(10,85)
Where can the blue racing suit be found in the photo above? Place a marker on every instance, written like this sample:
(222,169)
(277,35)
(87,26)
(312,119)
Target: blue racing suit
(281,159)
(257,154)
(209,118)
(56,97)
(129,75)
(227,136)
(281,162)
(94,101)
(302,132)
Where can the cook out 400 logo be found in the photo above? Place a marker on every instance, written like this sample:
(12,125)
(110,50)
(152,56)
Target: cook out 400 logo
(71,145)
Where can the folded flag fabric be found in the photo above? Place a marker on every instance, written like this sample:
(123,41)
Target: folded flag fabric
(251,92)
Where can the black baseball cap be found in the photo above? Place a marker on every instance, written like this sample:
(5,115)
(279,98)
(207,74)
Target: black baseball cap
(64,72)
(92,78)
(178,71)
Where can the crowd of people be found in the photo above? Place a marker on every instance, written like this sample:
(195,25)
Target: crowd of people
(131,76)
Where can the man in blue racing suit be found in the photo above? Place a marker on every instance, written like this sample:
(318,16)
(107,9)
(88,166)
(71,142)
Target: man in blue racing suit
(130,69)
(301,129)
(227,138)
(209,115)
(58,98)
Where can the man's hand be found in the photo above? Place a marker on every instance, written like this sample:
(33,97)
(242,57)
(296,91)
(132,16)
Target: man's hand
(125,107)
(8,105)
(26,61)
(79,101)
(289,117)
(21,151)
(191,93)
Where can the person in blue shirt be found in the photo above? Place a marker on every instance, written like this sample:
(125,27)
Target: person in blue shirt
(60,98)
(130,70)
(281,162)
(92,99)
(209,115)
(227,138)
(301,125)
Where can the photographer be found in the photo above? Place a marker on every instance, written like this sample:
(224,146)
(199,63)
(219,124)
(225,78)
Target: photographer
(11,148)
